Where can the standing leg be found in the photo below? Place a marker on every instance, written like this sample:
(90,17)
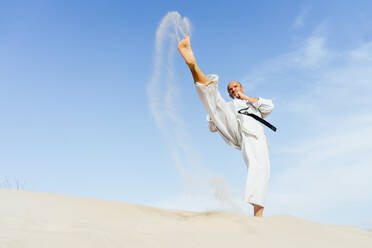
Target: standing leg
(255,156)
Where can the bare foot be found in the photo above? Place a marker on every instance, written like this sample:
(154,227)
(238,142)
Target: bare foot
(184,48)
(258,210)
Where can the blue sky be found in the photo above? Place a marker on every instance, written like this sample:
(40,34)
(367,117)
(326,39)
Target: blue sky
(75,116)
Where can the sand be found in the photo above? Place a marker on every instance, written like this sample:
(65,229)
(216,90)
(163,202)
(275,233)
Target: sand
(36,220)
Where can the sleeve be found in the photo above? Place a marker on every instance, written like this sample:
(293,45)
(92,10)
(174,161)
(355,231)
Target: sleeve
(212,87)
(265,106)
(213,79)
(211,125)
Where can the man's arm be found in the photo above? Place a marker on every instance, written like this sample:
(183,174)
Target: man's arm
(184,48)
(265,106)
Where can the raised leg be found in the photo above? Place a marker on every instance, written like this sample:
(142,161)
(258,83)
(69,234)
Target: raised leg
(185,50)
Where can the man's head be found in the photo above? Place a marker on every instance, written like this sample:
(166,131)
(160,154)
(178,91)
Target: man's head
(234,87)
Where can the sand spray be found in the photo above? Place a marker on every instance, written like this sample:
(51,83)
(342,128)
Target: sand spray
(199,183)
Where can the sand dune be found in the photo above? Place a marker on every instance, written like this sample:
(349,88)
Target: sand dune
(36,220)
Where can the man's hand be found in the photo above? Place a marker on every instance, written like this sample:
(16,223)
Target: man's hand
(240,95)
(185,49)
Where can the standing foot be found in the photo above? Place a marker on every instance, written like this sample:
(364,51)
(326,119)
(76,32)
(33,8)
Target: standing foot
(258,210)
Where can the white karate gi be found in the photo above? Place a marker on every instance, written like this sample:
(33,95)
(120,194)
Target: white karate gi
(241,132)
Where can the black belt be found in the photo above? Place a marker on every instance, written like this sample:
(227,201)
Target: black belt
(245,112)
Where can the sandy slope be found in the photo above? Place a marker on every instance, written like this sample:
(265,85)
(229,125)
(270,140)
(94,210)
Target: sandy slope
(36,220)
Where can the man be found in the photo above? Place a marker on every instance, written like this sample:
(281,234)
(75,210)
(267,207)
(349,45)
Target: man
(240,131)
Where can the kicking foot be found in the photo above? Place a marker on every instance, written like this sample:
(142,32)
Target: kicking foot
(184,48)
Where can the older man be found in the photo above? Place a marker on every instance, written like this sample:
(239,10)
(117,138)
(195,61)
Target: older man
(240,131)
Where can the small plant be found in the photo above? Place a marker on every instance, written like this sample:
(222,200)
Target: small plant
(16,184)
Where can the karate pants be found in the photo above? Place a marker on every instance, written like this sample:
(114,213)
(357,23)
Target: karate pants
(254,149)
(256,157)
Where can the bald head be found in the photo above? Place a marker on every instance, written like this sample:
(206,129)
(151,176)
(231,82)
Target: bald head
(233,87)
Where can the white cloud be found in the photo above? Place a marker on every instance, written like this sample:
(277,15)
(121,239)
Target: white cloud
(333,169)
(300,19)
(362,53)
(328,93)
(312,53)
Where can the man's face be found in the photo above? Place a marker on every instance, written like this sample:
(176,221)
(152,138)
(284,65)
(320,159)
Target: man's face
(233,88)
